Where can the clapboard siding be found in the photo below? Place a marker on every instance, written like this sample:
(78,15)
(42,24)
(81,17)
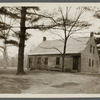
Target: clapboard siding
(52,62)
(86,55)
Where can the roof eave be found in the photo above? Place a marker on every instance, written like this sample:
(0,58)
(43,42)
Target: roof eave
(54,54)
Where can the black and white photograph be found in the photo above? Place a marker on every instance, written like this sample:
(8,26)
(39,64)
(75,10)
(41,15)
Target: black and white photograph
(49,48)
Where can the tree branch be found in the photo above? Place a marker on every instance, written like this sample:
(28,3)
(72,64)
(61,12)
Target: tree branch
(1,51)
(74,24)
(43,16)
(59,36)
(51,48)
(2,47)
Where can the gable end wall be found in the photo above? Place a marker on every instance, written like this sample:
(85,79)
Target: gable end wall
(86,55)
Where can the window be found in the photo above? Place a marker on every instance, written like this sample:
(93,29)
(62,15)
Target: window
(58,61)
(89,62)
(46,61)
(92,63)
(30,62)
(93,49)
(97,63)
(39,60)
(90,48)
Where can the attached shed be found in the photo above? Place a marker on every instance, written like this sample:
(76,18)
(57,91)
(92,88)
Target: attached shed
(81,55)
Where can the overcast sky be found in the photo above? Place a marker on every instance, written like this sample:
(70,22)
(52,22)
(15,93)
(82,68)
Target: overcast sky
(37,36)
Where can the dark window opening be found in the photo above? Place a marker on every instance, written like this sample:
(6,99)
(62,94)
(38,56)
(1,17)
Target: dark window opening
(89,62)
(39,60)
(97,63)
(30,62)
(46,61)
(58,61)
(92,62)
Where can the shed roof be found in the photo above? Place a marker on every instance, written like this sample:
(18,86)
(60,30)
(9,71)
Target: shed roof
(74,45)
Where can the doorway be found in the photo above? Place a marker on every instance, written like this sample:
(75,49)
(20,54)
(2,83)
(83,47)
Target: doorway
(75,63)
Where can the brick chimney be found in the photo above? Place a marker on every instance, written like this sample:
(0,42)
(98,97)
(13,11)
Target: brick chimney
(44,38)
(91,34)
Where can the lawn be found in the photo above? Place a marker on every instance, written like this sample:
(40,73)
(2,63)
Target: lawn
(48,82)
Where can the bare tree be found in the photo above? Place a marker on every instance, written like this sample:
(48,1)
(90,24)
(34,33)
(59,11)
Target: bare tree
(69,24)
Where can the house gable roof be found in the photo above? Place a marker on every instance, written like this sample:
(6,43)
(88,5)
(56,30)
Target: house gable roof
(74,45)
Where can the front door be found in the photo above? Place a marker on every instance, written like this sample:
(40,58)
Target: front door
(75,63)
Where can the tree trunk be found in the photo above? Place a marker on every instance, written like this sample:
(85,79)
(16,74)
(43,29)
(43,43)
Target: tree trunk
(20,69)
(63,62)
(63,55)
(5,55)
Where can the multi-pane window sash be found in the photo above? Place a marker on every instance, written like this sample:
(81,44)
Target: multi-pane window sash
(39,60)
(46,61)
(89,62)
(93,49)
(58,61)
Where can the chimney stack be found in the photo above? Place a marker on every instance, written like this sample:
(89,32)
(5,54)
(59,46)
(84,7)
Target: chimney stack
(91,34)
(44,38)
